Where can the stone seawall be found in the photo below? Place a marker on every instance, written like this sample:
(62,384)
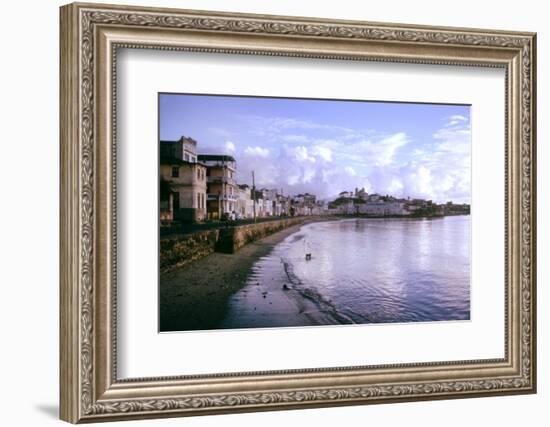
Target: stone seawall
(179,250)
(234,238)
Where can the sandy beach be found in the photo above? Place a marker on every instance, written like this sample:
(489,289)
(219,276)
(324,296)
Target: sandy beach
(196,296)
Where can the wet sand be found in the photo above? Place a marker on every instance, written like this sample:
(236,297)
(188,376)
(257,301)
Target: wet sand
(195,297)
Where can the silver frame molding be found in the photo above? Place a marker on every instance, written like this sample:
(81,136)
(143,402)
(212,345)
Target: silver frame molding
(90,37)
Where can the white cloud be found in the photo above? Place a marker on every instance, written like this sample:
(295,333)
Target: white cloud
(300,153)
(396,186)
(440,171)
(350,171)
(459,118)
(379,152)
(229,147)
(323,152)
(437,168)
(456,119)
(256,152)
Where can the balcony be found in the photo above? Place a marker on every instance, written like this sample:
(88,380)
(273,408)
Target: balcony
(221,180)
(230,197)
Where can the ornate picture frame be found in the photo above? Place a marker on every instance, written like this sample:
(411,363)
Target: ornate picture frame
(90,37)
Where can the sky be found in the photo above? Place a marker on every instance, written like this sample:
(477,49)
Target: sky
(327,146)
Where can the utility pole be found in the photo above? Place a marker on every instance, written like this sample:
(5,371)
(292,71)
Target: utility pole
(254,194)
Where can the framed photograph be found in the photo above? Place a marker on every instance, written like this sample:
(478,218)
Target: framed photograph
(266,212)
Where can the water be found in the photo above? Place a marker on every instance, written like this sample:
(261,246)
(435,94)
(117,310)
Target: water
(361,271)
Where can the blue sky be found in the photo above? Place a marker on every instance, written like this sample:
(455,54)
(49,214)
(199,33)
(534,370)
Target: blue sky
(327,146)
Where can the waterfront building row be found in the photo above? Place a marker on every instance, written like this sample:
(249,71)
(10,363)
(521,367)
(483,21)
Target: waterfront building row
(197,187)
(359,202)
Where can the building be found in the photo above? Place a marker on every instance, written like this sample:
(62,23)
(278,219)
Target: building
(304,204)
(451,208)
(222,187)
(284,202)
(260,208)
(183,186)
(266,202)
(361,194)
(184,148)
(245,203)
(383,208)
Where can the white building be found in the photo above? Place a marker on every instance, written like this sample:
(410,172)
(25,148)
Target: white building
(245,203)
(381,208)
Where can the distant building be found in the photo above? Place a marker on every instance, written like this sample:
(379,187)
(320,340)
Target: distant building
(267,197)
(304,204)
(222,187)
(260,205)
(451,208)
(309,199)
(376,205)
(361,194)
(381,208)
(284,202)
(183,182)
(245,203)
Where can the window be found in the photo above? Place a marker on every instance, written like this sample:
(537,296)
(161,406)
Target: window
(175,171)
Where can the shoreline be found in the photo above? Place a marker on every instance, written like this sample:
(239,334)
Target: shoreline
(199,295)
(196,296)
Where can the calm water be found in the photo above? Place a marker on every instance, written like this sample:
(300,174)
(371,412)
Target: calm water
(361,271)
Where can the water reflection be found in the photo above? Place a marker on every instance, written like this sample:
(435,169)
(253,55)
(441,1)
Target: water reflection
(361,271)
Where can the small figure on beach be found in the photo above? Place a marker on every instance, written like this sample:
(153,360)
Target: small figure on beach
(285,287)
(307,249)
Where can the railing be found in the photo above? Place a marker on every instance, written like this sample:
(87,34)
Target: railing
(220,164)
(231,197)
(221,179)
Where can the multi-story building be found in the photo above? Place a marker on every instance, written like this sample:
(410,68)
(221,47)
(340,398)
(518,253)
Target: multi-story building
(284,202)
(222,187)
(268,199)
(260,205)
(183,182)
(245,203)
(184,148)
(304,204)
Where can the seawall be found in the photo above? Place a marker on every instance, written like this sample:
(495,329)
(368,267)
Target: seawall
(234,238)
(180,250)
